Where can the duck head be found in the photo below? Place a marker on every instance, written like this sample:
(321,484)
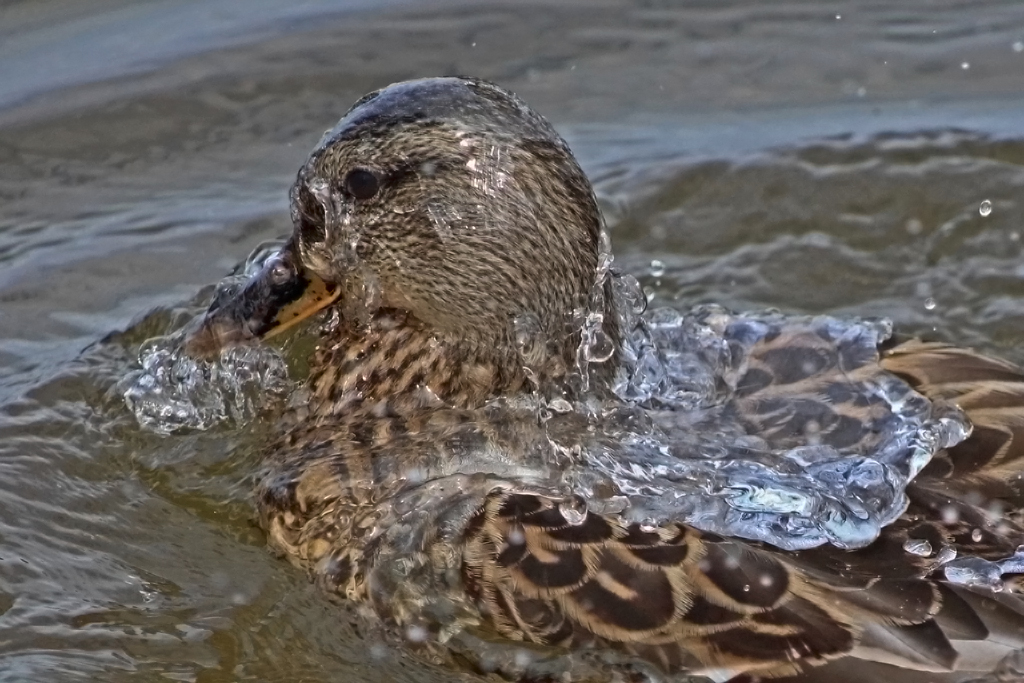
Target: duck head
(447,201)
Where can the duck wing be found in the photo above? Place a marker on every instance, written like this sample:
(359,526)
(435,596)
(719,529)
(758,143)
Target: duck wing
(683,599)
(742,612)
(991,392)
(485,556)
(693,602)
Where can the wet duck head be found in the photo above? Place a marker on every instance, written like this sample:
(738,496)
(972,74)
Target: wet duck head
(455,235)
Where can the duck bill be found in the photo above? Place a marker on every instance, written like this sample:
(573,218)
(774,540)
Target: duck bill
(279,296)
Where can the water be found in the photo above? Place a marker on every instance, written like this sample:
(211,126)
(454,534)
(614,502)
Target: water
(767,156)
(171,391)
(687,438)
(815,479)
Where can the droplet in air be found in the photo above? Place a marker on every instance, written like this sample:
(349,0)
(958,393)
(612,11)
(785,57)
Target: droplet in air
(812,431)
(976,535)
(862,91)
(985,208)
(950,515)
(929,304)
(574,510)
(416,634)
(914,226)
(918,546)
(965,66)
(657,268)
(523,658)
(838,17)
(1018,46)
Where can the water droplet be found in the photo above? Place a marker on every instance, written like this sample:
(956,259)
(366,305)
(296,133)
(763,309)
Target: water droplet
(974,571)
(914,226)
(1018,46)
(965,65)
(862,91)
(838,17)
(918,546)
(648,525)
(976,535)
(416,634)
(516,536)
(812,432)
(985,208)
(946,554)
(597,346)
(950,515)
(929,304)
(657,268)
(574,510)
(523,658)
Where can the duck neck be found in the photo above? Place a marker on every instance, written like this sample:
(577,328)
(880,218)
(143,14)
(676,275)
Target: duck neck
(395,365)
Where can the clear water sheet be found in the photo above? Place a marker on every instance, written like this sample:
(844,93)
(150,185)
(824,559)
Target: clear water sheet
(777,428)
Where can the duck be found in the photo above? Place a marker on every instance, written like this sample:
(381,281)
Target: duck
(446,240)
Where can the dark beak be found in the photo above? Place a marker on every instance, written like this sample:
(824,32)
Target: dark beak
(277,297)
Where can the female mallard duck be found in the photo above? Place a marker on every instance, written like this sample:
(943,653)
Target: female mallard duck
(439,220)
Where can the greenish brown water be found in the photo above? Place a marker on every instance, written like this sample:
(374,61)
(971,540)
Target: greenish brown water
(746,153)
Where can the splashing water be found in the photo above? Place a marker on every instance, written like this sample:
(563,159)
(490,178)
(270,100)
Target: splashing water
(695,431)
(172,391)
(702,435)
(595,344)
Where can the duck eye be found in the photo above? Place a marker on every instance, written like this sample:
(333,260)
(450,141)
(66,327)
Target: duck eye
(362,184)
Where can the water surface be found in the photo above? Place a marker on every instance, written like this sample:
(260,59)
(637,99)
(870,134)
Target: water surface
(815,157)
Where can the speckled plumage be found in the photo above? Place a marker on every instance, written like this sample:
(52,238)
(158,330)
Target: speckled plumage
(401,484)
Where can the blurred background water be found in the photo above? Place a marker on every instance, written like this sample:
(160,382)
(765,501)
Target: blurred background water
(821,157)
